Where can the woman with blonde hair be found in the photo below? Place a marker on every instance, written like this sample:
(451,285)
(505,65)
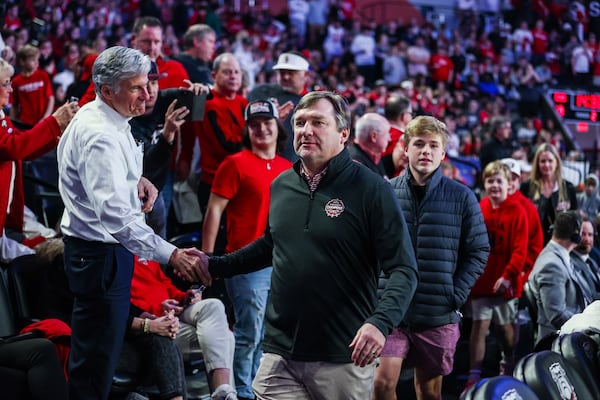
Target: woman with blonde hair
(547,188)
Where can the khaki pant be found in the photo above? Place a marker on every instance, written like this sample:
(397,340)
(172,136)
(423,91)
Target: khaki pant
(281,379)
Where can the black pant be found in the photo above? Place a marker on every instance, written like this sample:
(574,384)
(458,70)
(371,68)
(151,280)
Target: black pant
(99,276)
(30,369)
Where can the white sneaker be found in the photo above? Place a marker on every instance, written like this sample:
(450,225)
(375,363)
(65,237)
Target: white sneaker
(224,392)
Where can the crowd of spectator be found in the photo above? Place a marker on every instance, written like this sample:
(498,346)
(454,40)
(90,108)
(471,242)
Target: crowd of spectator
(484,66)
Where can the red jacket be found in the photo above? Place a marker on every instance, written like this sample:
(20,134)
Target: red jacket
(16,146)
(508,233)
(150,287)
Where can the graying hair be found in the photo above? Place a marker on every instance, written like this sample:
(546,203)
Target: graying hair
(116,64)
(367,123)
(6,67)
(340,107)
(196,31)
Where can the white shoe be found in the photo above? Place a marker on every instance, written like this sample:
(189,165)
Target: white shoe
(224,392)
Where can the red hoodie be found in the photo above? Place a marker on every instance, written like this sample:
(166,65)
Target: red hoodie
(508,233)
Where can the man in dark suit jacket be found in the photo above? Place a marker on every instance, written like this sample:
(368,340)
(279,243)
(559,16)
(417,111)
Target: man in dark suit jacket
(556,286)
(584,265)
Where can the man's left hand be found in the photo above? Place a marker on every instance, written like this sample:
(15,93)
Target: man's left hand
(148,193)
(367,345)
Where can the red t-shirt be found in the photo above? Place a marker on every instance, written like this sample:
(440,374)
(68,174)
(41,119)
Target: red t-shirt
(441,67)
(220,132)
(245,179)
(31,95)
(395,135)
(540,41)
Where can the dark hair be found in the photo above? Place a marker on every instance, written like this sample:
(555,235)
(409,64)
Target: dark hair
(145,21)
(567,225)
(282,136)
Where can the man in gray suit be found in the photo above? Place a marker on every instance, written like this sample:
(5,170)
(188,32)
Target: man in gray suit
(553,280)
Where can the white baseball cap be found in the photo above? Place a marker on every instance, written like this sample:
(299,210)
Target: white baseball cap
(291,62)
(513,165)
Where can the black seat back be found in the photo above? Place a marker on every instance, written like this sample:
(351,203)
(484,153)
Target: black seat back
(500,388)
(551,377)
(581,353)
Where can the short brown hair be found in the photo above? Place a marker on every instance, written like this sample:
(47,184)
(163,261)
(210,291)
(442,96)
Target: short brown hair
(27,51)
(425,125)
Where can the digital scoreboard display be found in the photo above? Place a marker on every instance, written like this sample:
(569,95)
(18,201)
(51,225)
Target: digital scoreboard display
(580,106)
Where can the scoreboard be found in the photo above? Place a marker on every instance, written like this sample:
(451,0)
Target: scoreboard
(575,105)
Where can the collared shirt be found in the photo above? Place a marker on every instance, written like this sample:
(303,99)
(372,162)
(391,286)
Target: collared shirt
(313,182)
(99,168)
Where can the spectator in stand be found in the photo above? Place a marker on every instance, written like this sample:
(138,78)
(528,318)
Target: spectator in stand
(495,295)
(33,364)
(441,67)
(522,39)
(199,43)
(372,133)
(535,241)
(437,209)
(292,73)
(298,13)
(147,36)
(584,266)
(15,146)
(317,21)
(499,145)
(394,69)
(363,50)
(220,132)
(398,111)
(32,96)
(557,291)
(198,322)
(588,201)
(241,188)
(582,60)
(546,187)
(333,46)
(540,43)
(418,56)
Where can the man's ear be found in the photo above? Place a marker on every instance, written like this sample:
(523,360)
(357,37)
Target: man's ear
(345,135)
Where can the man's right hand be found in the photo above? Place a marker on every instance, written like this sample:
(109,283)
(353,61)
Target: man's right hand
(192,265)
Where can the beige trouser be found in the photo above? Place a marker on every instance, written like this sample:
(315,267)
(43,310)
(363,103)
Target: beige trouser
(281,379)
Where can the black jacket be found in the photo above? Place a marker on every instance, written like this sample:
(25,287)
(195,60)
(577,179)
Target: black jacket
(327,249)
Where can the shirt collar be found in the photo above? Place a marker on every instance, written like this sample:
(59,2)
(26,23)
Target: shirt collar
(313,182)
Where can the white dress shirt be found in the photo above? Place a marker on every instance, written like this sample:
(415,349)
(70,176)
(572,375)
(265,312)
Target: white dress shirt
(99,167)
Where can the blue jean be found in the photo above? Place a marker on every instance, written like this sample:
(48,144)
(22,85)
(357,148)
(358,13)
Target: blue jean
(249,294)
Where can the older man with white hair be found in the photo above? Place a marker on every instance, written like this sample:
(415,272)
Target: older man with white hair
(372,137)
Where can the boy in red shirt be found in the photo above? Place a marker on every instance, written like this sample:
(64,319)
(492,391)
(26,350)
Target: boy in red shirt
(32,97)
(495,295)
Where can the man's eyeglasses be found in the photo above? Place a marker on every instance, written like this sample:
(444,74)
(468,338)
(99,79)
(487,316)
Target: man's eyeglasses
(6,84)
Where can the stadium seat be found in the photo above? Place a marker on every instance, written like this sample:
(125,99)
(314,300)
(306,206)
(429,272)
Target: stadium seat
(499,388)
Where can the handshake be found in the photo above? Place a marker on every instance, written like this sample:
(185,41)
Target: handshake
(192,265)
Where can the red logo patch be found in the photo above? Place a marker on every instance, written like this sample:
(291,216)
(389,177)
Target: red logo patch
(334,208)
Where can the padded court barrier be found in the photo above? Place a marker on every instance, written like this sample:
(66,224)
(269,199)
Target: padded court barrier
(551,378)
(580,351)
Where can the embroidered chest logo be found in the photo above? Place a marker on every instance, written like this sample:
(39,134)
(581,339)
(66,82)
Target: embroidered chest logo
(334,208)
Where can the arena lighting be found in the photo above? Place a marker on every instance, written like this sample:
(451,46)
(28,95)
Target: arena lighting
(576,105)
